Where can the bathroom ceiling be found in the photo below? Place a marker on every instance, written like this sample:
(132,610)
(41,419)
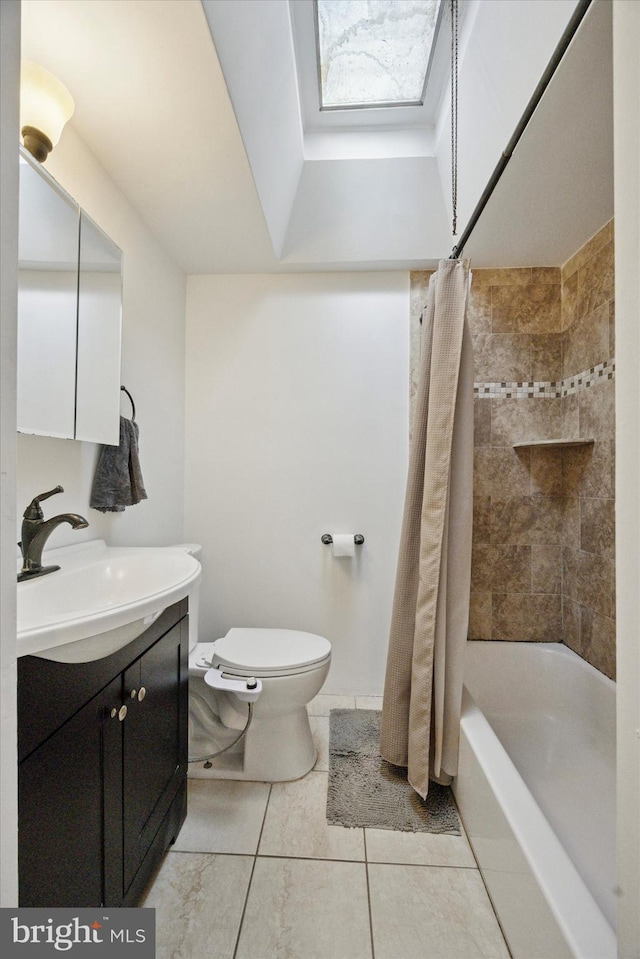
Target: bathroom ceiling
(223,183)
(557,190)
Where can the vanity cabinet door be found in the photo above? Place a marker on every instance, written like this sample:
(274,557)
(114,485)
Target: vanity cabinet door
(155,742)
(69,794)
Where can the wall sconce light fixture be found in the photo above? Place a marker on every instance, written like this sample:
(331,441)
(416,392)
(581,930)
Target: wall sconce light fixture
(45,107)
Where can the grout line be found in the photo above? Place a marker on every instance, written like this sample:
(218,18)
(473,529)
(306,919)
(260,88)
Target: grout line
(272,855)
(495,912)
(264,818)
(486,889)
(253,869)
(366,872)
(279,855)
(422,865)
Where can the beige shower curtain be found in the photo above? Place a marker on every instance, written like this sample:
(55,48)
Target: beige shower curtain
(423,685)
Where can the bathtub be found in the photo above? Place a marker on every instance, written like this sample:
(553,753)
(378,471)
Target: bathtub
(536,793)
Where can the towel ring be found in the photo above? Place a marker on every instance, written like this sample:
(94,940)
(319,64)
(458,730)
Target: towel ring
(133,405)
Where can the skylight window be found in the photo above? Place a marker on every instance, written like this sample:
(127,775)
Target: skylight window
(374,53)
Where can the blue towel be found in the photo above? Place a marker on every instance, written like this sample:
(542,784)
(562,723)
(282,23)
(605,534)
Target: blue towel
(118,481)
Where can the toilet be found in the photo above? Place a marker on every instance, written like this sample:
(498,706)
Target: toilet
(264,677)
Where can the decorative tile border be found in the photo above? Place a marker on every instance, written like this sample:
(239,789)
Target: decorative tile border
(546,390)
(582,381)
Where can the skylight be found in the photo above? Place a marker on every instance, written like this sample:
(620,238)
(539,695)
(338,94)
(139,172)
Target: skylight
(374,53)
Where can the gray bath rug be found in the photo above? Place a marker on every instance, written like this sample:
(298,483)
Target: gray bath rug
(366,791)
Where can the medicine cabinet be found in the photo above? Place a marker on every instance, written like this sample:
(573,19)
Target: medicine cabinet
(69,316)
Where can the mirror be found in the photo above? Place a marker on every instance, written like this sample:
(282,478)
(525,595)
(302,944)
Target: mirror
(69,316)
(47,306)
(99,329)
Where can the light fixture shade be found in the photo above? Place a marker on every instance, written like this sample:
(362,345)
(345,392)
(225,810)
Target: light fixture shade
(45,106)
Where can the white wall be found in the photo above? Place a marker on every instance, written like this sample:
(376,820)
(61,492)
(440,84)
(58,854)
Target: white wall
(296,426)
(260,73)
(504,50)
(9,83)
(154,291)
(626,58)
(384,209)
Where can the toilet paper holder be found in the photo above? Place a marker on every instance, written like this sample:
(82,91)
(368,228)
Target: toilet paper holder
(327,539)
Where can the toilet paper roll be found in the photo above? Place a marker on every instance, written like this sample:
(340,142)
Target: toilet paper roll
(343,545)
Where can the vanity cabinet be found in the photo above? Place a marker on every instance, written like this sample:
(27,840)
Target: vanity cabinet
(102,768)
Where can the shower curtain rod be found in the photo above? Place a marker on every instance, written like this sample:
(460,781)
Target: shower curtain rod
(559,52)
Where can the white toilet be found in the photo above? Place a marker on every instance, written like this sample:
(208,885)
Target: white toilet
(275,673)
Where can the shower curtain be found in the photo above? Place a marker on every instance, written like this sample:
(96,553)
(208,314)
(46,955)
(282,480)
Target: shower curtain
(423,684)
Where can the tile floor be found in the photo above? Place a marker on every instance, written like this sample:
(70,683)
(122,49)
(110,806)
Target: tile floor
(256,873)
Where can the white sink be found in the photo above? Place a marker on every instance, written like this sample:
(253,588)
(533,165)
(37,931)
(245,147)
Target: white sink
(100,599)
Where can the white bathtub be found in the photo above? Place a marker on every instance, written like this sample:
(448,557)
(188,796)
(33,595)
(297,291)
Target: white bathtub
(536,792)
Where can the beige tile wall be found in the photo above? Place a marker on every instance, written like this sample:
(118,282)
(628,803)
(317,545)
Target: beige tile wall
(542,565)
(588,570)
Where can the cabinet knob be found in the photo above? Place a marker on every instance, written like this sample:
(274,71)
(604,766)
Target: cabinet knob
(134,693)
(141,694)
(122,712)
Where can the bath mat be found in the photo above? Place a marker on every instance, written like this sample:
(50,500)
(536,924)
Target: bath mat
(366,791)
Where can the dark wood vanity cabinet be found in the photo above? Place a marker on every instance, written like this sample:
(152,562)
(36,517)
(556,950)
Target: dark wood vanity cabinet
(102,768)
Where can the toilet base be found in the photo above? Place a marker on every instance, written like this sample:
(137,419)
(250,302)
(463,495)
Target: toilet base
(259,756)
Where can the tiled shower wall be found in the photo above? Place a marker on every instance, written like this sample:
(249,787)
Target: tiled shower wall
(543,537)
(588,572)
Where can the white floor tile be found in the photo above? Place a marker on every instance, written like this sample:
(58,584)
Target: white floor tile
(223,816)
(369,702)
(296,823)
(307,897)
(199,900)
(418,848)
(432,913)
(325,702)
(300,909)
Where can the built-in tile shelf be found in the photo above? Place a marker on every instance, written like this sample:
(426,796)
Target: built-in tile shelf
(562,443)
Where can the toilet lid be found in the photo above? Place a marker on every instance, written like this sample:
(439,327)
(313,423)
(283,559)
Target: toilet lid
(270,651)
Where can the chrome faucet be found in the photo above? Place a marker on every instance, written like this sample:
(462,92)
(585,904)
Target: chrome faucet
(36,531)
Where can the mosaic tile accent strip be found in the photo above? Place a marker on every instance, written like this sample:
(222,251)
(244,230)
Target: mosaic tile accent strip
(537,389)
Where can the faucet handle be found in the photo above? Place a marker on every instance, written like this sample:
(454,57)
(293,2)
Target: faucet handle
(33,510)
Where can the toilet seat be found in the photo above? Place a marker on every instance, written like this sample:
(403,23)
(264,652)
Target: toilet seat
(270,652)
